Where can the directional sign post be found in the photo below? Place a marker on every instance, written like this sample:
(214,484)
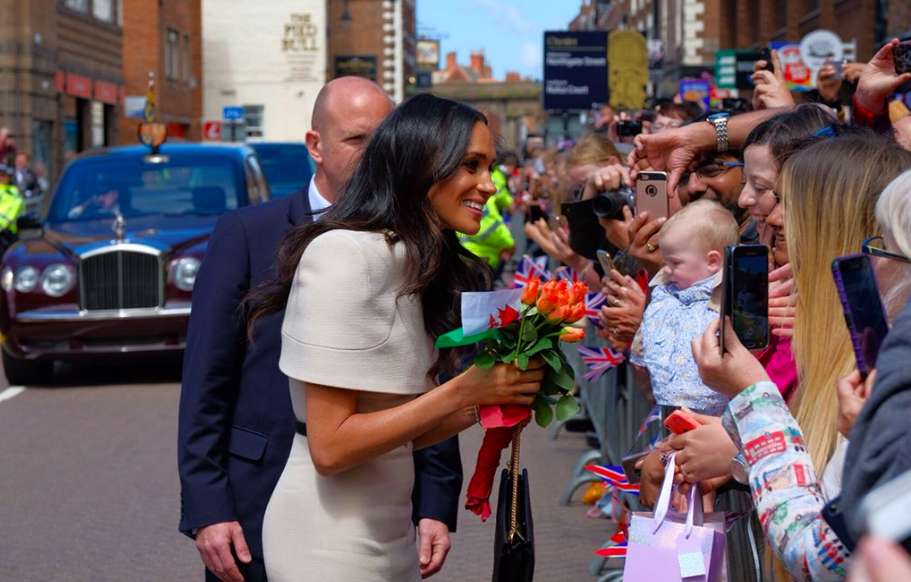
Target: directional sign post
(232,113)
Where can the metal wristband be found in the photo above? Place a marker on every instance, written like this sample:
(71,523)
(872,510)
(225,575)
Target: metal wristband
(721,134)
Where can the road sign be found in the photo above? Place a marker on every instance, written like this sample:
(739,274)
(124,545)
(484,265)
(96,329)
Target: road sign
(232,113)
(734,68)
(575,70)
(211,131)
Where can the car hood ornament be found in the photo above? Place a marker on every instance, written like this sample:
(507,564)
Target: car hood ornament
(120,226)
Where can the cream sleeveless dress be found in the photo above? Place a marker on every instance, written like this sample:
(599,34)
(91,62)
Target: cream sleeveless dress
(346,327)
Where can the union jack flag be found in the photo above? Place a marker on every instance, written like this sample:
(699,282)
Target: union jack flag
(653,416)
(599,360)
(615,477)
(593,304)
(567,274)
(616,548)
(528,269)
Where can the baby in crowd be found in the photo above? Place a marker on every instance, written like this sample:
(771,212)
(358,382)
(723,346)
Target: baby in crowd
(692,243)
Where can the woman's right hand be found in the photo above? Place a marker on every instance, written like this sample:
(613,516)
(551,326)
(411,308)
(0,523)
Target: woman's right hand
(651,475)
(501,384)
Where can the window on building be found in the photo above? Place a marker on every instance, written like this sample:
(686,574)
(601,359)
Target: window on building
(172,54)
(812,6)
(103,10)
(77,5)
(97,121)
(253,120)
(187,59)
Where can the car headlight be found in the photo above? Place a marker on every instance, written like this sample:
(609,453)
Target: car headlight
(7,279)
(26,279)
(57,280)
(183,273)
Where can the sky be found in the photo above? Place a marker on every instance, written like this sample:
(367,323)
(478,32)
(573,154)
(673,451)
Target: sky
(509,31)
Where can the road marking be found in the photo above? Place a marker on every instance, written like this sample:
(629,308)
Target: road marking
(11,392)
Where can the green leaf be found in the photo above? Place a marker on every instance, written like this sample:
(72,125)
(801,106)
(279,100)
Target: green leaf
(522,362)
(529,334)
(541,345)
(553,360)
(567,407)
(562,378)
(531,312)
(485,361)
(543,413)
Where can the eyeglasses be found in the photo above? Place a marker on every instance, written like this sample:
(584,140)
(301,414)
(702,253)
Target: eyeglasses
(874,246)
(715,169)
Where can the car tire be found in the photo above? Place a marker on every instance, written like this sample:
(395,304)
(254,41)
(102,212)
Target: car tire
(23,372)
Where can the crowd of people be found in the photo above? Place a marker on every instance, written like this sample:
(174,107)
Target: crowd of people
(343,287)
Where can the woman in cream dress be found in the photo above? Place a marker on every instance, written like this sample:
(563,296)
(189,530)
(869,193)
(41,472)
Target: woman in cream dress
(367,288)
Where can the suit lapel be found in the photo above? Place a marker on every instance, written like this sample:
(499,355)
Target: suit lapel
(299,208)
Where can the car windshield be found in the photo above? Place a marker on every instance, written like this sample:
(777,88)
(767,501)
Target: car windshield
(105,186)
(287,168)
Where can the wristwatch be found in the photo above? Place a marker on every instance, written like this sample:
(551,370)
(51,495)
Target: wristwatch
(720,122)
(740,470)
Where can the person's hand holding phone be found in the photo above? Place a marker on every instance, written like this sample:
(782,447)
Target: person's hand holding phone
(705,452)
(879,80)
(732,371)
(672,151)
(853,392)
(605,179)
(828,82)
(622,315)
(771,90)
(782,301)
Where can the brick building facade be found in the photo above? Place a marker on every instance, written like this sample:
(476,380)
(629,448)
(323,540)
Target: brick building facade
(164,38)
(374,39)
(61,79)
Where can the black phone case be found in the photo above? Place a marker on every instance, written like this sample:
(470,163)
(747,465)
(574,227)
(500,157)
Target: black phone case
(727,303)
(901,56)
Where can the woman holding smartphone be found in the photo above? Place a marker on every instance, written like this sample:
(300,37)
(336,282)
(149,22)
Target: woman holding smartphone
(367,288)
(828,194)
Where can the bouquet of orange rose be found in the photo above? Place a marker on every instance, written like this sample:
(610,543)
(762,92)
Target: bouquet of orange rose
(530,324)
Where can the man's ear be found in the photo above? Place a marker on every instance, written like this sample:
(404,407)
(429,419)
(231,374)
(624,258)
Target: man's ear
(715,261)
(314,141)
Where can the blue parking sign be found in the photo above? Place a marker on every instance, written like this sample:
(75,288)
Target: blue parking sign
(232,113)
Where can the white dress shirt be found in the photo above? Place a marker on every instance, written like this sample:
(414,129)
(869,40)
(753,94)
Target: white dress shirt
(318,204)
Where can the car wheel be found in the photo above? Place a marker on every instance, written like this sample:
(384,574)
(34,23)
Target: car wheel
(26,372)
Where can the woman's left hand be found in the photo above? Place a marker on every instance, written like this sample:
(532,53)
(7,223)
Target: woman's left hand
(622,316)
(853,392)
(733,371)
(704,452)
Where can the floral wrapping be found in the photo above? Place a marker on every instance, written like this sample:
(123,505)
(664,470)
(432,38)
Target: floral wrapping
(785,489)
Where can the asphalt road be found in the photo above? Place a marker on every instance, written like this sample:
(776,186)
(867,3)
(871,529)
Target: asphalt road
(89,490)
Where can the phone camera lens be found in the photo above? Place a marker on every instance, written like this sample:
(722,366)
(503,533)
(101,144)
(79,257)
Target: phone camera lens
(651,191)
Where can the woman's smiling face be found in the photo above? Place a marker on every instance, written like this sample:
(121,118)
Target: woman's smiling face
(459,199)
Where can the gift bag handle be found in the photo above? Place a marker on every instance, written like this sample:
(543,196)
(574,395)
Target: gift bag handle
(694,510)
(514,469)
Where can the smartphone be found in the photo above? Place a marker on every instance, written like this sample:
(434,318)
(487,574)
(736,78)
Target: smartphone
(864,312)
(629,466)
(556,222)
(765,54)
(901,56)
(651,194)
(680,422)
(606,262)
(586,235)
(745,298)
(885,510)
(629,128)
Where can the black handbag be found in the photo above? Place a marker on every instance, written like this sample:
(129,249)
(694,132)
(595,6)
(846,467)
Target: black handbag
(514,541)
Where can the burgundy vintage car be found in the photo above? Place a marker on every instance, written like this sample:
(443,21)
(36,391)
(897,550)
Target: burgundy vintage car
(111,269)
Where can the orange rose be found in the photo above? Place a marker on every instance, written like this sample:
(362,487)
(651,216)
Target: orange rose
(550,297)
(530,295)
(576,313)
(558,315)
(577,292)
(572,335)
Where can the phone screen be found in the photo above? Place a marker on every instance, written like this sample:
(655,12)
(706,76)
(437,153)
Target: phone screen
(864,311)
(748,294)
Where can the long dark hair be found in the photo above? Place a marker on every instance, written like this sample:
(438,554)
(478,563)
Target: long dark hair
(422,142)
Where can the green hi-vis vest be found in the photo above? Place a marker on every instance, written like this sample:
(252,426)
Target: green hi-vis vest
(494,236)
(11,206)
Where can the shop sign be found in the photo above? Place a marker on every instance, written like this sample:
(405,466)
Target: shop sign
(211,131)
(60,81)
(356,65)
(78,86)
(106,92)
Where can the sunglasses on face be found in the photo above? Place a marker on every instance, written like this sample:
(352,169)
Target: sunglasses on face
(875,246)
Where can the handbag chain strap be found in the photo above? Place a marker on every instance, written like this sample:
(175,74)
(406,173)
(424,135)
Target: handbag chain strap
(514,468)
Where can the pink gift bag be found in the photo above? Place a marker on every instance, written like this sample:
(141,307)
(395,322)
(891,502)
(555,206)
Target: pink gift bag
(669,547)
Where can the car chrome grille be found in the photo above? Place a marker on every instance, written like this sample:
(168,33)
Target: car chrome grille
(120,280)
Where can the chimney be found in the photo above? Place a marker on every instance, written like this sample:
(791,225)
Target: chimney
(451,63)
(513,77)
(477,62)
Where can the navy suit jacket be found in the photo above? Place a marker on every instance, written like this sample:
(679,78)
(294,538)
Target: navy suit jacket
(236,423)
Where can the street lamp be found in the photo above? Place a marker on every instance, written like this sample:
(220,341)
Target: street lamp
(346,14)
